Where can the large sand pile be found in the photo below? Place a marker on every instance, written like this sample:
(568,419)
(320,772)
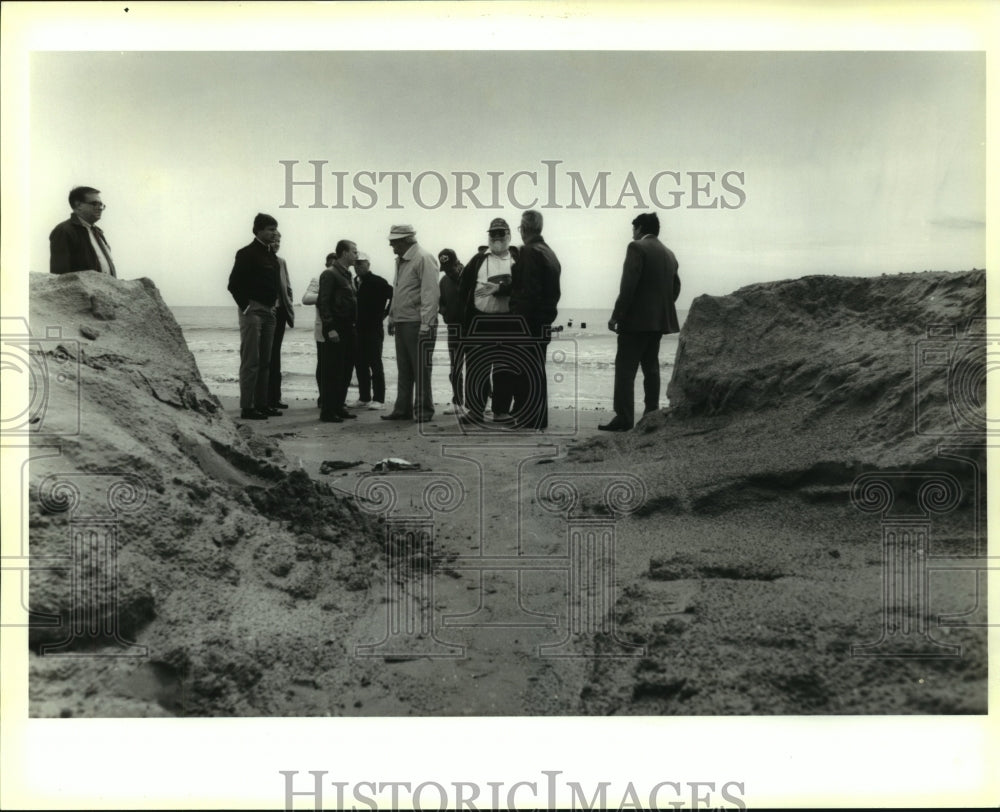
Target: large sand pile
(763,574)
(229,569)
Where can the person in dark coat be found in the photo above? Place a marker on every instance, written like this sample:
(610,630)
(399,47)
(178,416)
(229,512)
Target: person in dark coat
(254,283)
(450,309)
(374,300)
(77,244)
(284,314)
(490,362)
(534,297)
(644,312)
(338,311)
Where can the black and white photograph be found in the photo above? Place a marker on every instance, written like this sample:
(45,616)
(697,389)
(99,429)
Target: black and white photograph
(497,405)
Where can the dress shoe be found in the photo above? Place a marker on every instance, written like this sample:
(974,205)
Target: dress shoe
(395,416)
(375,405)
(424,418)
(346,415)
(270,411)
(252,414)
(279,405)
(331,418)
(615,425)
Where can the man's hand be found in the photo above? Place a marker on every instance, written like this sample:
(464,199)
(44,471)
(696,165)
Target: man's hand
(391,328)
(334,336)
(424,329)
(613,325)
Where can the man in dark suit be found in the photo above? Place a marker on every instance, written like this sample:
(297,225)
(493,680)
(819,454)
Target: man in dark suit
(643,313)
(534,298)
(338,311)
(77,244)
(374,296)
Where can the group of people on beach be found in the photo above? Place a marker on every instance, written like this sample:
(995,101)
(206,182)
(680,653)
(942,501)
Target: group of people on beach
(498,309)
(504,295)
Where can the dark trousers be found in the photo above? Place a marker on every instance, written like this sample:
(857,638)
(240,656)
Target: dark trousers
(274,375)
(456,357)
(414,352)
(320,346)
(494,349)
(635,350)
(256,337)
(531,385)
(371,372)
(337,359)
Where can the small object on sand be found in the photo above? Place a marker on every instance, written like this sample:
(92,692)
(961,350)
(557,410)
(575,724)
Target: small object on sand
(396,464)
(329,466)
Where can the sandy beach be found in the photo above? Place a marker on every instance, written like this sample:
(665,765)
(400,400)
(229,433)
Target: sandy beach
(728,556)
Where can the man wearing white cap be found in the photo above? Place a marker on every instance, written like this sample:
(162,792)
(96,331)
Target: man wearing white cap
(374,298)
(413,319)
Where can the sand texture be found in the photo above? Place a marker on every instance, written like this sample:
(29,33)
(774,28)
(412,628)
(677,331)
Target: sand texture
(733,554)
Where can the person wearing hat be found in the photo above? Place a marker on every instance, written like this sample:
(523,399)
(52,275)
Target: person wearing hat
(484,291)
(374,299)
(413,317)
(254,284)
(451,312)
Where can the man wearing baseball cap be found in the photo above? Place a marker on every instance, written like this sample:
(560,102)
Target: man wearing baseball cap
(413,317)
(484,291)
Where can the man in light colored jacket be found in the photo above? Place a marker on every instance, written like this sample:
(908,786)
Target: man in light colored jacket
(413,322)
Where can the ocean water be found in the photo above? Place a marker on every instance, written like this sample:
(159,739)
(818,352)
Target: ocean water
(580,361)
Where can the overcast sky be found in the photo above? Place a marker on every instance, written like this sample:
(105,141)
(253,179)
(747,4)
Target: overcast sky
(834,162)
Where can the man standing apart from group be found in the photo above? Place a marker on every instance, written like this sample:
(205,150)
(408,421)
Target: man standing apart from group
(338,311)
(77,244)
(284,314)
(374,298)
(413,319)
(534,296)
(254,283)
(644,312)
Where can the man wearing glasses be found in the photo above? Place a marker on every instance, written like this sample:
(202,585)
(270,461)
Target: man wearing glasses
(77,244)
